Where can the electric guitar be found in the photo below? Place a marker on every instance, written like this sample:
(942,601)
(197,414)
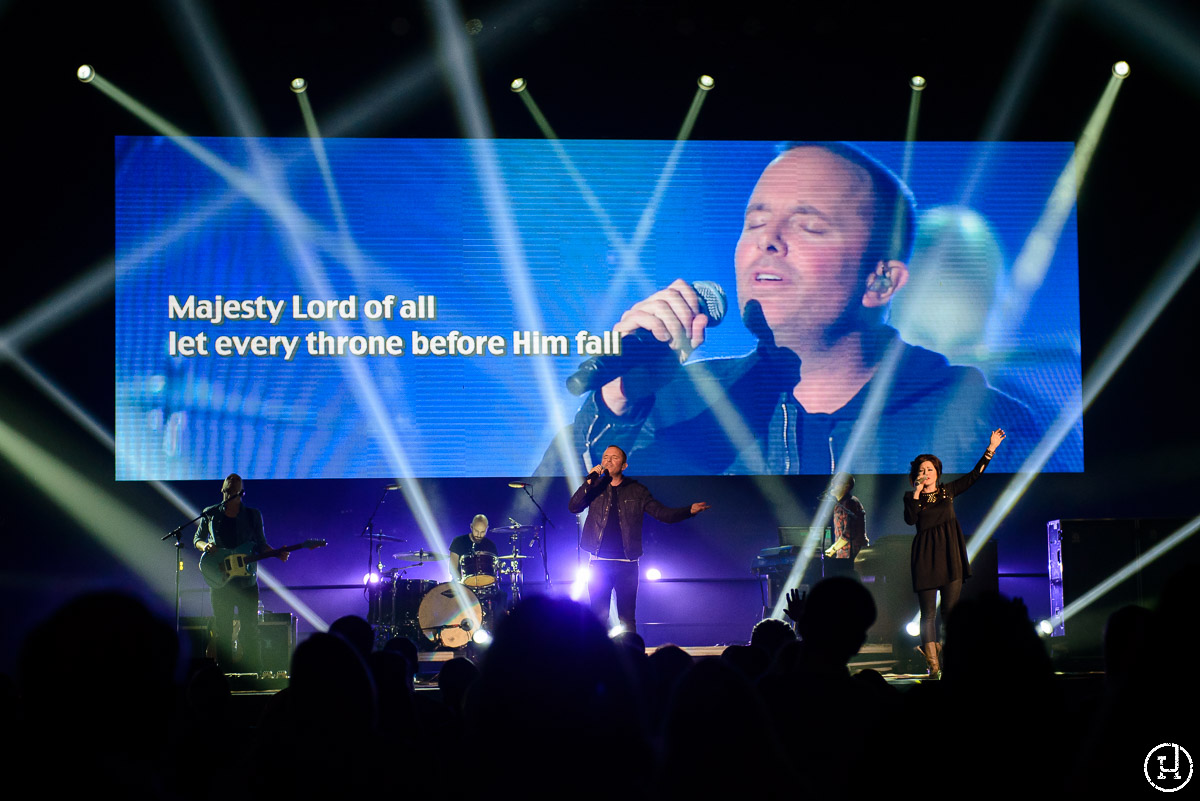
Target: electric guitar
(220,565)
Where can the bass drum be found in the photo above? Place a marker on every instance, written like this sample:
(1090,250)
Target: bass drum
(450,614)
(394,602)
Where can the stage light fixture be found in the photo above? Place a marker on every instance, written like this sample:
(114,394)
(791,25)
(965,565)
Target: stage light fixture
(371,578)
(917,83)
(481,637)
(913,628)
(518,85)
(1046,627)
(706,82)
(579,586)
(1121,70)
(85,73)
(616,631)
(653,574)
(298,85)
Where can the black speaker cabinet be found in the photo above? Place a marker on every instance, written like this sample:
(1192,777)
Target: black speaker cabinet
(277,635)
(1084,554)
(194,631)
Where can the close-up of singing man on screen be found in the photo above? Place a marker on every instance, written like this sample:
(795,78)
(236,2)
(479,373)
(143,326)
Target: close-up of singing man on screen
(823,250)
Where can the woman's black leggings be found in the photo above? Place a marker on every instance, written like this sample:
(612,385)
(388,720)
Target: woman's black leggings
(928,599)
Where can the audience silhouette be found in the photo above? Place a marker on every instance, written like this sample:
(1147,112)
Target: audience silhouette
(781,714)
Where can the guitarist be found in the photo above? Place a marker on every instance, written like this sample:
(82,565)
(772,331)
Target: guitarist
(228,525)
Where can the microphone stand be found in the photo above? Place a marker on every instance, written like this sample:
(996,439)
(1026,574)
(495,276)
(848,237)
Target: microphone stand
(177,533)
(369,532)
(375,552)
(542,536)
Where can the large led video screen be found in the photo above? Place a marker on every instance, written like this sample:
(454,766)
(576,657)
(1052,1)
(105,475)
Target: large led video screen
(355,308)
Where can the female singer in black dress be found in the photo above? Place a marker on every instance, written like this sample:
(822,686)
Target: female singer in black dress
(939,551)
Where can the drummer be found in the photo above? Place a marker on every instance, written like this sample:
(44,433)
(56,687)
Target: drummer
(475,542)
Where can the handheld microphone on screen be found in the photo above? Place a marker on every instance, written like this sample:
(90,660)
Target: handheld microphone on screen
(640,347)
(785,364)
(756,322)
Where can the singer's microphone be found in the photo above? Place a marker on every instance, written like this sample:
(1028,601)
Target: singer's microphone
(223,505)
(640,346)
(756,322)
(603,474)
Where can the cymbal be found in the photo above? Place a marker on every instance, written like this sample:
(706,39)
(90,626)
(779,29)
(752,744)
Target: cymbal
(502,529)
(419,556)
(389,538)
(513,556)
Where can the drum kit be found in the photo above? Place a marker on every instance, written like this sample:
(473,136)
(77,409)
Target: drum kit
(448,614)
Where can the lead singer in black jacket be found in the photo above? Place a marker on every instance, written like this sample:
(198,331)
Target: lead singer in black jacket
(615,543)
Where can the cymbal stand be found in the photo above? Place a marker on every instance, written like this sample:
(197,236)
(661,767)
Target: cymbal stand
(514,574)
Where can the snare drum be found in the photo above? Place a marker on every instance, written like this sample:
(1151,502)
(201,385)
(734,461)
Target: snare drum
(450,614)
(478,569)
